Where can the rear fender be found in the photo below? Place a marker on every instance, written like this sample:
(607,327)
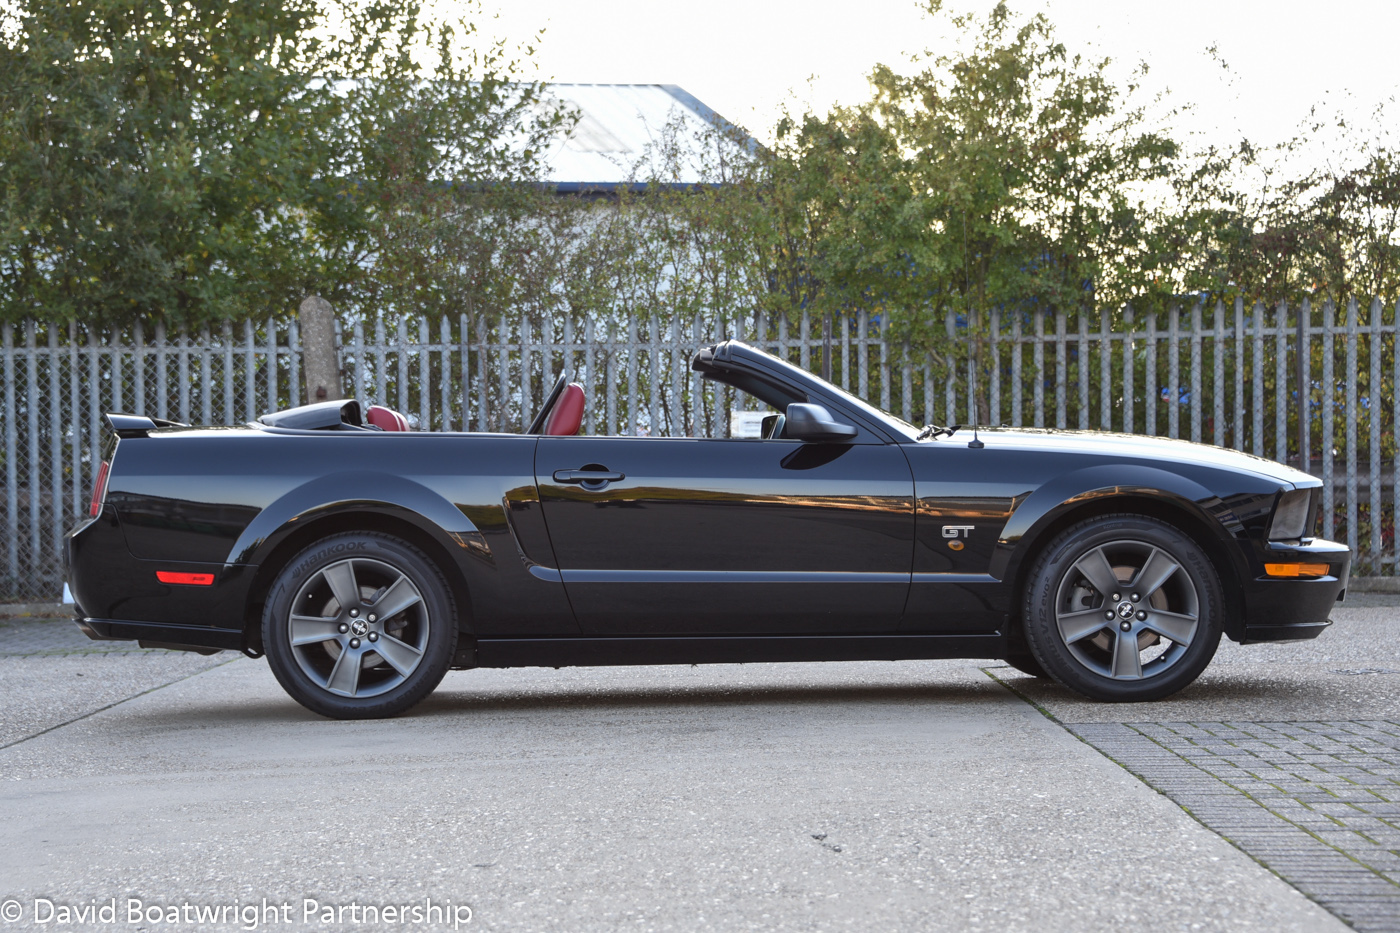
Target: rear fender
(339,493)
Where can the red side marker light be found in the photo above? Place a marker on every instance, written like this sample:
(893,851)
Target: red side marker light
(185,579)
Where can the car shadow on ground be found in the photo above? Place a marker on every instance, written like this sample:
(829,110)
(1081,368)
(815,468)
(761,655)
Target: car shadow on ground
(448,701)
(472,705)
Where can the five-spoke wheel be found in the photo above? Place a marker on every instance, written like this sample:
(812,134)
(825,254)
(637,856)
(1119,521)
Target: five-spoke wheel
(359,625)
(1123,608)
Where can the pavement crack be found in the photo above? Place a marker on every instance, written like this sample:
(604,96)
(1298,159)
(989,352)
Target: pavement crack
(114,703)
(1042,710)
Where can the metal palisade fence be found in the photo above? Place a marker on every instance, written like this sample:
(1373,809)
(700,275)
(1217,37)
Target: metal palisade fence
(1272,381)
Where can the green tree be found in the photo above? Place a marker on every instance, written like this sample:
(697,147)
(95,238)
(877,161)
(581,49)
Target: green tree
(1009,175)
(205,160)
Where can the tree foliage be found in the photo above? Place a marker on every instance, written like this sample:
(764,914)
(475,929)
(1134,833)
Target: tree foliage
(205,160)
(199,159)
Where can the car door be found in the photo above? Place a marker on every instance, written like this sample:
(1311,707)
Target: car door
(685,536)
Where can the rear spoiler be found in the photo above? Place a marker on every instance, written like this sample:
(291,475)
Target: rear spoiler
(124,425)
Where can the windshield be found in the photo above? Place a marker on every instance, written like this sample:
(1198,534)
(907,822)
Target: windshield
(894,421)
(799,375)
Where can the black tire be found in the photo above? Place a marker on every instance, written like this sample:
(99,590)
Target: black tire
(1027,664)
(401,652)
(1153,631)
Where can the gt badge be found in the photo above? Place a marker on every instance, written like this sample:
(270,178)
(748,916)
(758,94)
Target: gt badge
(955,532)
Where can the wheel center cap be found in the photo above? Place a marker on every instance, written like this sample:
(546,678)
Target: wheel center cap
(1126,610)
(359,627)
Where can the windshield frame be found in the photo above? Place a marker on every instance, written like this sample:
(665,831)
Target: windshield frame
(730,351)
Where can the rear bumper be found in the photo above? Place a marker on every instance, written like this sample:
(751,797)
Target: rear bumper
(1296,609)
(118,596)
(158,635)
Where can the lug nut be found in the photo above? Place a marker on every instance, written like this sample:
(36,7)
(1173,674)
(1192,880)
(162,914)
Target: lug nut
(354,643)
(1142,617)
(1116,596)
(343,628)
(354,612)
(372,618)
(1108,615)
(1126,626)
(1135,597)
(374,636)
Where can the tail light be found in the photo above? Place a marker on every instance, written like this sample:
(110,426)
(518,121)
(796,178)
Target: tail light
(99,489)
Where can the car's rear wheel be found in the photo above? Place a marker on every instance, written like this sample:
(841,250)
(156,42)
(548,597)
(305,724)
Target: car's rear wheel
(1123,608)
(359,626)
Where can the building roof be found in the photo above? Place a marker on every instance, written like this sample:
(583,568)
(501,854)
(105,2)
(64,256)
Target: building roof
(619,130)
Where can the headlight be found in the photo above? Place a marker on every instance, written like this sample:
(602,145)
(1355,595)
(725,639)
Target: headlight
(1292,515)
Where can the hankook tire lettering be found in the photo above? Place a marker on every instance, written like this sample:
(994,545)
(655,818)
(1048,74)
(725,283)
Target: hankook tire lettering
(322,554)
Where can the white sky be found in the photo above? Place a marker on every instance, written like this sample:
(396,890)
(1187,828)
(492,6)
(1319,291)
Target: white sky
(744,58)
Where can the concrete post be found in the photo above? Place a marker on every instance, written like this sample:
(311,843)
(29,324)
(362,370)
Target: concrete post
(318,358)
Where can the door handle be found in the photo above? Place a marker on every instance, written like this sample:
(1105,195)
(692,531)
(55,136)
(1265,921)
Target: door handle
(587,477)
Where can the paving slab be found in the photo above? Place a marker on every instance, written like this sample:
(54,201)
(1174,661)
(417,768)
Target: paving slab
(909,796)
(1290,751)
(51,673)
(1313,801)
(1351,671)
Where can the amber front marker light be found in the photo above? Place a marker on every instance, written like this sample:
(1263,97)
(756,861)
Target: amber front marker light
(188,579)
(1296,570)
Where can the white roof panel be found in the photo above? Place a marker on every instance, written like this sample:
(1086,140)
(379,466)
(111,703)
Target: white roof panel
(620,128)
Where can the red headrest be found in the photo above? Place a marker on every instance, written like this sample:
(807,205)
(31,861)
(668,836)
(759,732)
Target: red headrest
(386,419)
(567,416)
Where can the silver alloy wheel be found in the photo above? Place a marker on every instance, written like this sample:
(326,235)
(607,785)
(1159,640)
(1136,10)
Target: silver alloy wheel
(362,627)
(1127,610)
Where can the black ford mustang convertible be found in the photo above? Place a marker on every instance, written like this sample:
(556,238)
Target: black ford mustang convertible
(366,560)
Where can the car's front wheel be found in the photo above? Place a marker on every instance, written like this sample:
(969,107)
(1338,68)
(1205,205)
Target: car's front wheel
(359,626)
(1123,608)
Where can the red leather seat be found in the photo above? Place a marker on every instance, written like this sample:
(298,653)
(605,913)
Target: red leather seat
(567,415)
(386,419)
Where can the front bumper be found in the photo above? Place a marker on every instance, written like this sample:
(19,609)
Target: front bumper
(1282,609)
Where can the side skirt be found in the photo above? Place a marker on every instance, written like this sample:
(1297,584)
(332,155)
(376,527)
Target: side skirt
(613,651)
(602,652)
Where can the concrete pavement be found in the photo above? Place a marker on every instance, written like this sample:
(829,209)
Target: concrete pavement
(907,796)
(1290,751)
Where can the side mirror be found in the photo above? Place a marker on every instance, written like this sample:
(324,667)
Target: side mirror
(807,422)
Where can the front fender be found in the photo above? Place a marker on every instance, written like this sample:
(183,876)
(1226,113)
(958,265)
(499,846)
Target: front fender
(1063,494)
(341,492)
